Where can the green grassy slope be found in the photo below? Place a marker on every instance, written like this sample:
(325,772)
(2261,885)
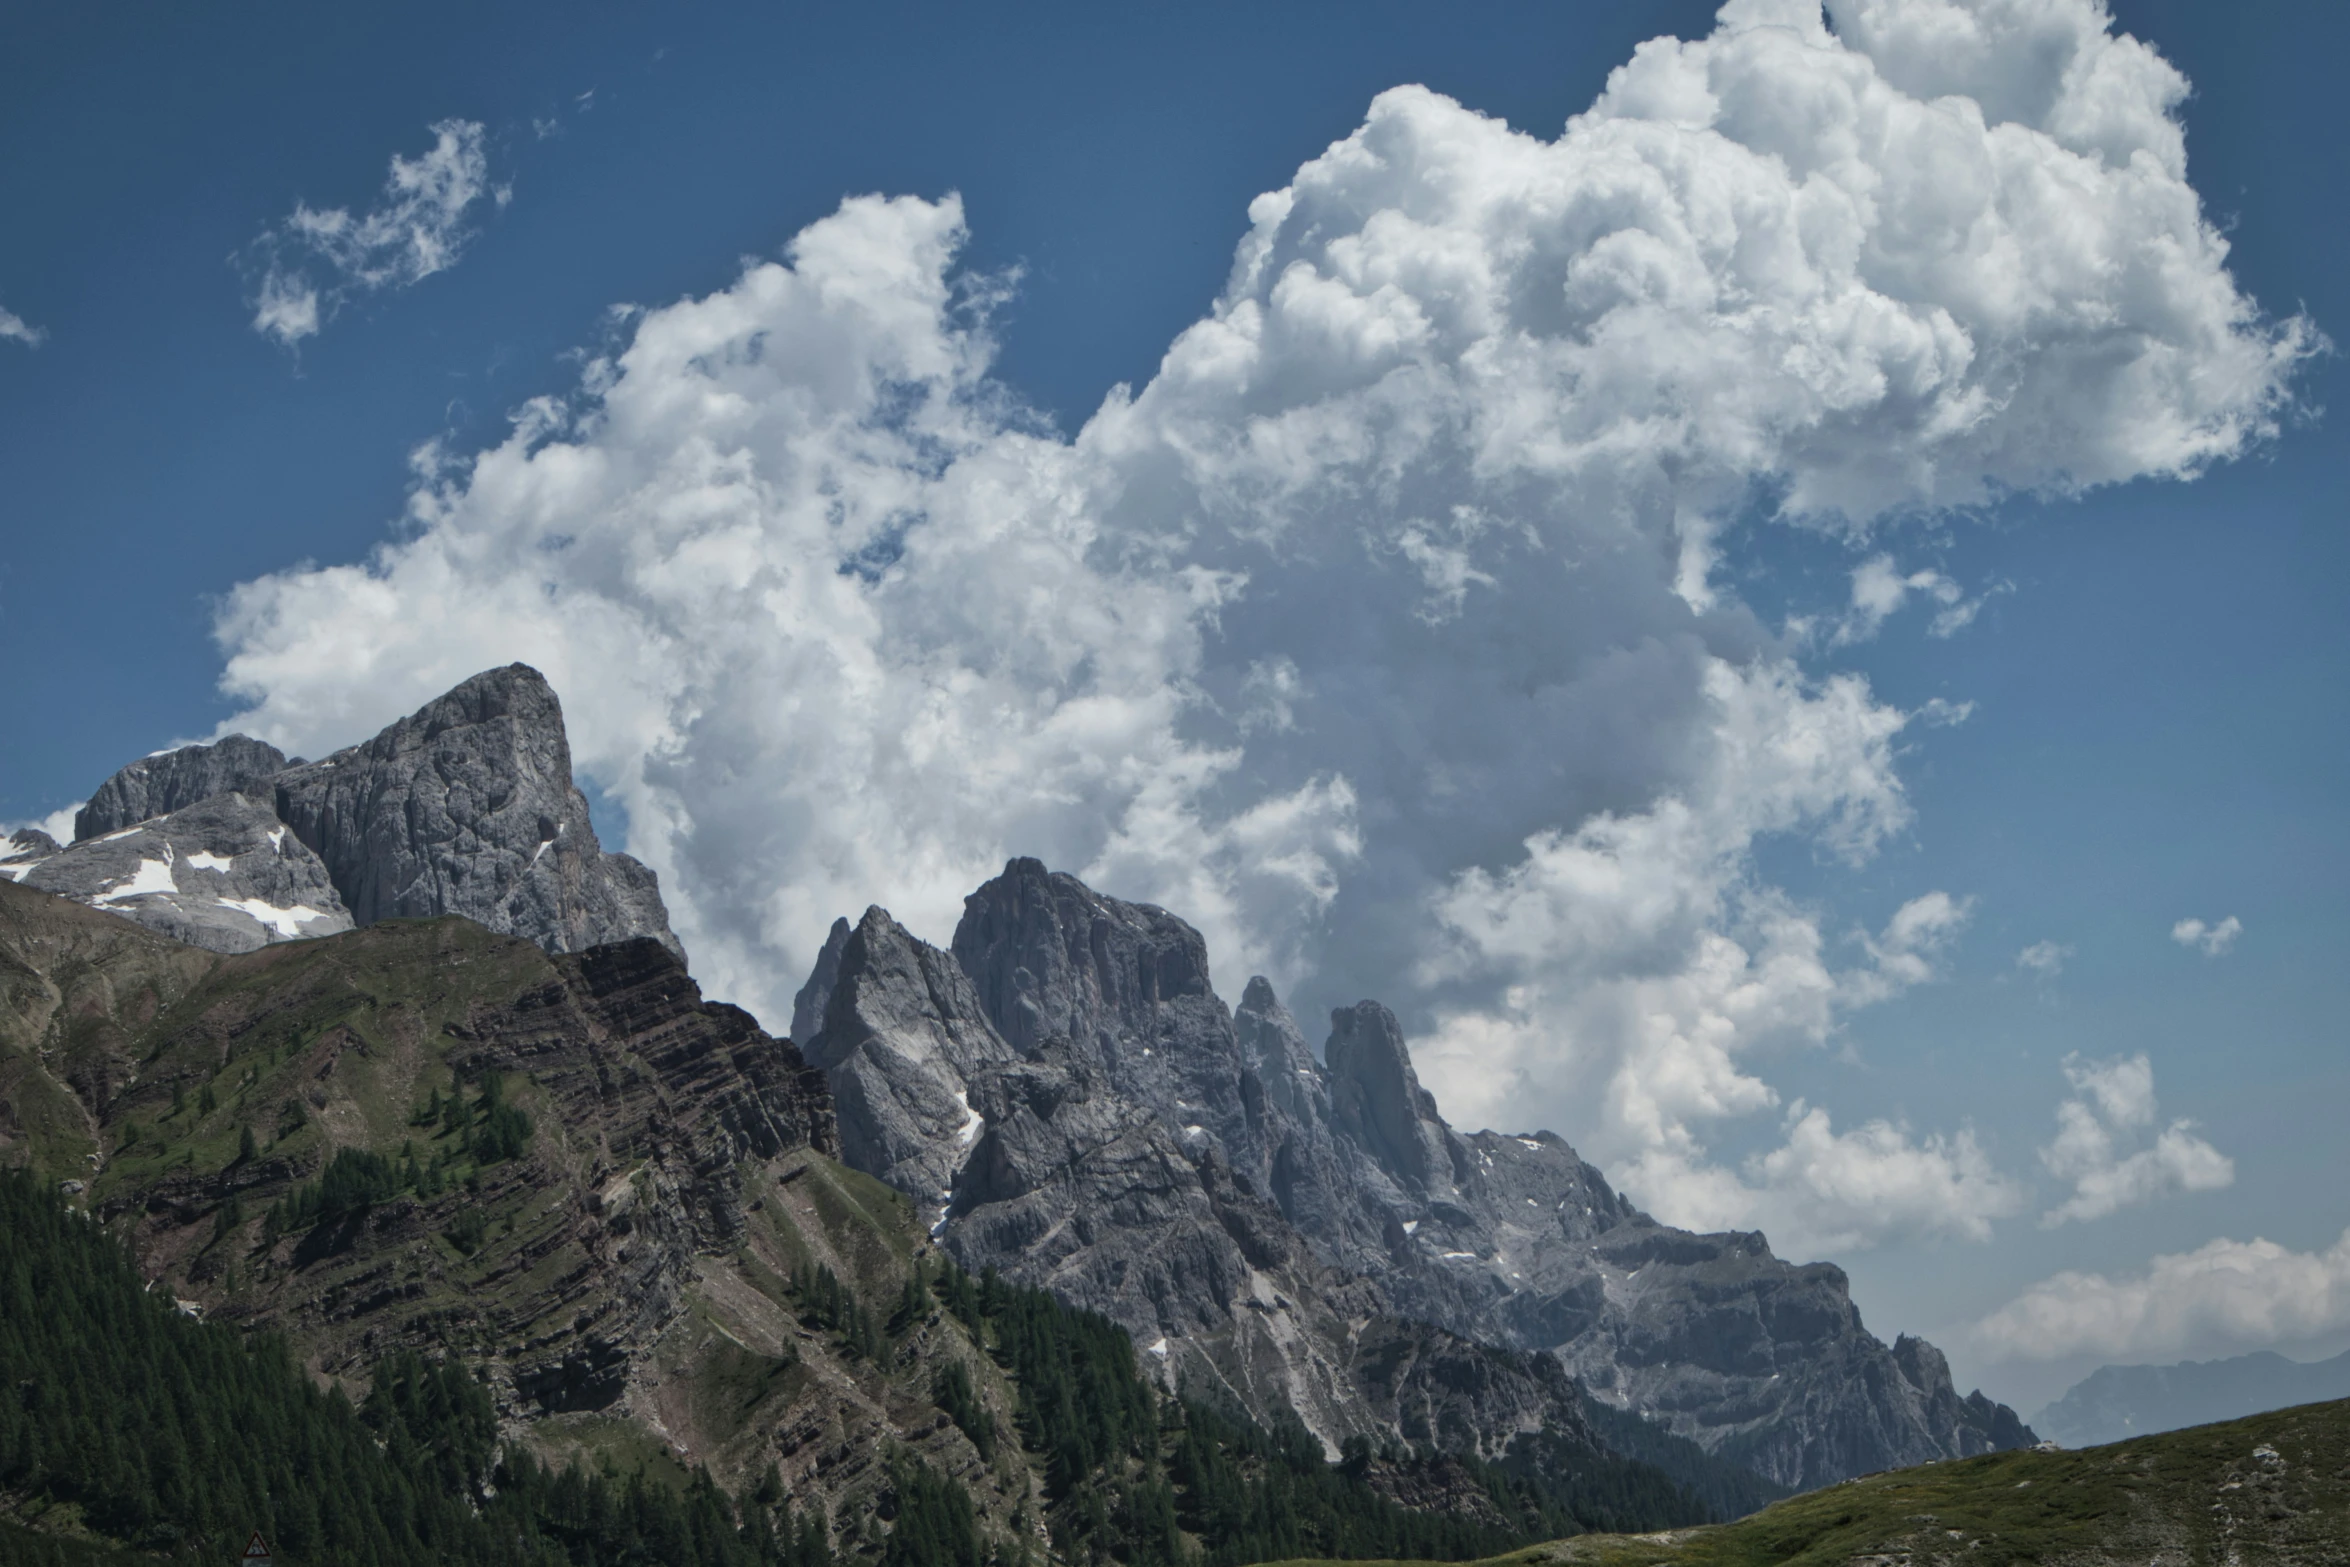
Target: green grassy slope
(2272,1489)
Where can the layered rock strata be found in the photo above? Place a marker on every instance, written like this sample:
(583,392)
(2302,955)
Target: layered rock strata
(623,1282)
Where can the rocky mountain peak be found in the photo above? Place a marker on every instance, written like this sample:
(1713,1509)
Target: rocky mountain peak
(1052,957)
(173,780)
(223,874)
(807,1007)
(465,807)
(902,1040)
(1922,1365)
(1186,1169)
(1274,1048)
(1376,1097)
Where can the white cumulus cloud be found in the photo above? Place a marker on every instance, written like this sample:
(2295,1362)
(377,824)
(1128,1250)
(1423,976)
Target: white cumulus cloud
(320,256)
(1379,631)
(2225,1295)
(2113,1106)
(2044,958)
(2211,940)
(15,329)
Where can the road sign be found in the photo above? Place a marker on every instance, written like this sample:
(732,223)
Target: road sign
(257,1550)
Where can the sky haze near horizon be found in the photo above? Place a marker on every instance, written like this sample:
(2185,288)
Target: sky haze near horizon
(1619,598)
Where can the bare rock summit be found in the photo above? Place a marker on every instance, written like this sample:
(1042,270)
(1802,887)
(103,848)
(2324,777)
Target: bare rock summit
(464,807)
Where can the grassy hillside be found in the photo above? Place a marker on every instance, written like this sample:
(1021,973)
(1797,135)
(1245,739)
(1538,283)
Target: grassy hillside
(2270,1489)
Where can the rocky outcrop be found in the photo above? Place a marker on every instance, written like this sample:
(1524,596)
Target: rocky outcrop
(467,807)
(1248,1211)
(464,807)
(223,874)
(903,1041)
(26,848)
(1514,1239)
(1124,985)
(173,780)
(807,1008)
(1095,1131)
(1377,1101)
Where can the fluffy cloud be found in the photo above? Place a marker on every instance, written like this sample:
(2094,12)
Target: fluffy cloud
(2044,958)
(2211,940)
(2113,1103)
(2228,1294)
(15,329)
(1879,589)
(1378,632)
(418,229)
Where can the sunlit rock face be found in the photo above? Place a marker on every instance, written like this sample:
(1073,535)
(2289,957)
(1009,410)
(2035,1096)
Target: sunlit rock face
(1087,1114)
(467,807)
(223,874)
(170,780)
(464,807)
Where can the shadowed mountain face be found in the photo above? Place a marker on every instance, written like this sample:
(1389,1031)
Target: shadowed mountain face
(617,1204)
(622,1278)
(1088,1114)
(1085,1165)
(2114,1403)
(464,807)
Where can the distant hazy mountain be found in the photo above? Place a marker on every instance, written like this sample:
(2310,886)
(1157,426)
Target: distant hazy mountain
(2116,1402)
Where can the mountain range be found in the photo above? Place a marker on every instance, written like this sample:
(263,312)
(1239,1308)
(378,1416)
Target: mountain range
(250,981)
(2115,1403)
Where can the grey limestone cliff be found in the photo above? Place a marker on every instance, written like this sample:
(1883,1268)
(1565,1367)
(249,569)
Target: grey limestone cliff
(1078,1136)
(464,807)
(903,1040)
(1514,1239)
(467,807)
(223,874)
(171,780)
(1247,1209)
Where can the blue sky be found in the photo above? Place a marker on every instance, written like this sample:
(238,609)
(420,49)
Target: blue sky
(2156,667)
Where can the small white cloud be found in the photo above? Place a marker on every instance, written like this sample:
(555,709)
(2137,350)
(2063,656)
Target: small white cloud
(2212,939)
(417,230)
(2228,1293)
(16,329)
(58,824)
(2112,1100)
(1880,589)
(1907,951)
(2044,958)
